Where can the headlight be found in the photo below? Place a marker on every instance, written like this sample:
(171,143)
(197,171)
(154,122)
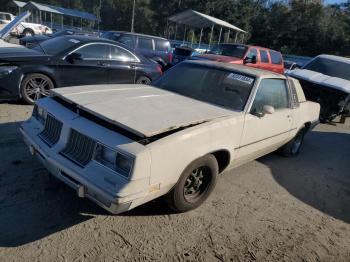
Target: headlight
(40,114)
(114,160)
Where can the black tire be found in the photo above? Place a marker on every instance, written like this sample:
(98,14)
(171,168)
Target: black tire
(292,148)
(28,32)
(195,185)
(143,80)
(34,87)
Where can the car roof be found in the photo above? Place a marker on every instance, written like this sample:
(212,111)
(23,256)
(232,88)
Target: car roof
(138,34)
(254,46)
(259,73)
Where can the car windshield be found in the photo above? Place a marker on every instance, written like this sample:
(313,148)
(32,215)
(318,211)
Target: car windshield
(330,67)
(56,45)
(229,50)
(217,86)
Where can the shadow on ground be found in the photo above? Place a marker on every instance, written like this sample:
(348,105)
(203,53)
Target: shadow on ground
(320,175)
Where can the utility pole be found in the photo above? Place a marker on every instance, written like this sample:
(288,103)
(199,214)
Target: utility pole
(133,17)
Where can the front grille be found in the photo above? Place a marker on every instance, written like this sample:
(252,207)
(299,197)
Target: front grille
(52,131)
(79,149)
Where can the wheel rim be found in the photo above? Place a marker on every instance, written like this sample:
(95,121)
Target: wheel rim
(36,88)
(144,81)
(27,34)
(196,184)
(297,143)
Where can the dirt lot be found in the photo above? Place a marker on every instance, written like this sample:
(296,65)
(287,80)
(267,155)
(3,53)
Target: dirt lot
(273,209)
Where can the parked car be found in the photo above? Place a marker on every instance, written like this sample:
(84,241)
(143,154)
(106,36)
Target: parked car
(32,41)
(326,80)
(5,32)
(124,145)
(67,61)
(253,56)
(154,47)
(5,18)
(24,28)
(182,53)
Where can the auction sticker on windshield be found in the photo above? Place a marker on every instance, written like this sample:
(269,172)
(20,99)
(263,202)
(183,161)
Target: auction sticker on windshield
(241,78)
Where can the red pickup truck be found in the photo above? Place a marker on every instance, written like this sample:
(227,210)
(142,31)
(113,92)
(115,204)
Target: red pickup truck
(253,56)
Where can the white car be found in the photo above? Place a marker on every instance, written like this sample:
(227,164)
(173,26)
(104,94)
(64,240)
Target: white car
(5,18)
(124,145)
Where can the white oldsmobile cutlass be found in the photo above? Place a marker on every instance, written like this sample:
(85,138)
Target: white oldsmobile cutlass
(124,145)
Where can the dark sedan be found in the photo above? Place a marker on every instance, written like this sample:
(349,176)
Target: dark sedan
(70,61)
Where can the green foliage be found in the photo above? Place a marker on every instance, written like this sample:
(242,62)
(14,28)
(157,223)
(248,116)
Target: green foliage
(302,27)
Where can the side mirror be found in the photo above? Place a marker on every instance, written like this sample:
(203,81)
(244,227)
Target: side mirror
(268,109)
(251,60)
(265,110)
(73,57)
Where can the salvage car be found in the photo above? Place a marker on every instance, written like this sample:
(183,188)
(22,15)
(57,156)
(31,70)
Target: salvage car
(29,74)
(326,80)
(124,145)
(252,56)
(5,32)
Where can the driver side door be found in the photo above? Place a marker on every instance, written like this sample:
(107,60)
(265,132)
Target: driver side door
(264,133)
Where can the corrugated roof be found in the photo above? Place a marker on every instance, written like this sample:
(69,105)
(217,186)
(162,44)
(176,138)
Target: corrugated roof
(19,3)
(56,10)
(200,20)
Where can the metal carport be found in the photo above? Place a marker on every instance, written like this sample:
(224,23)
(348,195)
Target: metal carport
(42,9)
(199,20)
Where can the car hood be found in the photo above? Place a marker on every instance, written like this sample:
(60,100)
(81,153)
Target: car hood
(38,38)
(143,110)
(321,79)
(21,54)
(218,58)
(6,30)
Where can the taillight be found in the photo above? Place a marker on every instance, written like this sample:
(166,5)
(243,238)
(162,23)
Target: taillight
(159,69)
(170,57)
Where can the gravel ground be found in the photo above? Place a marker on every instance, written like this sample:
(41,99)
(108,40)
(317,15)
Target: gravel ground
(272,209)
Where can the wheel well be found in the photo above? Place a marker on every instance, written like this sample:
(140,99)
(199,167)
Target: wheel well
(28,29)
(223,159)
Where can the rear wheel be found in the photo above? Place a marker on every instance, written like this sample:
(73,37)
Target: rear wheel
(292,148)
(195,185)
(143,80)
(34,87)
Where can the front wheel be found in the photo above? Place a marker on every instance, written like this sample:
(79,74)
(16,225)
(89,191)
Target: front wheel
(34,87)
(195,185)
(292,148)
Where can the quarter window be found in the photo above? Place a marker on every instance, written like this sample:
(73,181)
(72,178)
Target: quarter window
(145,43)
(120,54)
(272,92)
(263,56)
(276,57)
(95,51)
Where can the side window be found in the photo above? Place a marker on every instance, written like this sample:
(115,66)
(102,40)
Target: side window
(263,56)
(252,52)
(145,43)
(161,45)
(272,92)
(127,40)
(120,54)
(94,51)
(276,57)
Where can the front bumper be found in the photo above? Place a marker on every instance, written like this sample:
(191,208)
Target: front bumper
(70,177)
